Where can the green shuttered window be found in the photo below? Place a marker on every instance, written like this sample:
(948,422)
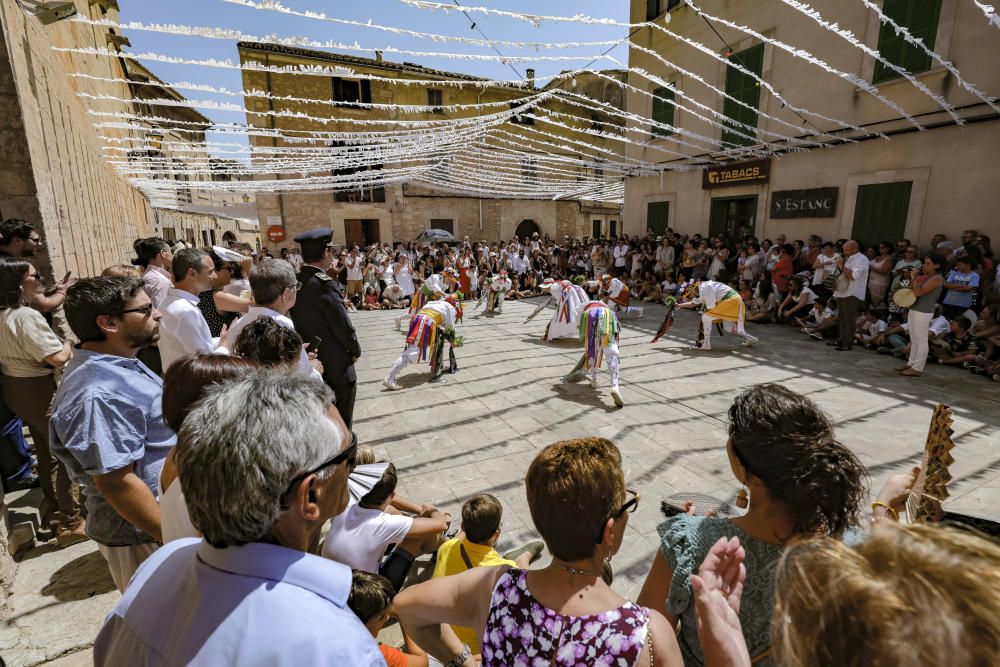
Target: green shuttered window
(657,215)
(880,212)
(663,111)
(746,89)
(920,18)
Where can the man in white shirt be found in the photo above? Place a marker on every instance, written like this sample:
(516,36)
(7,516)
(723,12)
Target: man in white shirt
(354,264)
(183,329)
(520,263)
(156,259)
(360,536)
(275,287)
(619,253)
(852,295)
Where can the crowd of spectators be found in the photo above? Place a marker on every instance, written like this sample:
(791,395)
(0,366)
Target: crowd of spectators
(833,290)
(244,524)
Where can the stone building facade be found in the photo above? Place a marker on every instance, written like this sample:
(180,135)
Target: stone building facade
(914,185)
(399,212)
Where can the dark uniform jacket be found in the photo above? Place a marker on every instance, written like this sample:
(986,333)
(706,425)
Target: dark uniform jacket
(320,312)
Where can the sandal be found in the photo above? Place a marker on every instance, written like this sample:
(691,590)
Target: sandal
(911,373)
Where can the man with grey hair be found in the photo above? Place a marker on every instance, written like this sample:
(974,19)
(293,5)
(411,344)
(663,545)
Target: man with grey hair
(275,290)
(264,462)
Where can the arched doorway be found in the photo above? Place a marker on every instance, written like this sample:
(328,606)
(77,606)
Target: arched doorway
(526,229)
(229,238)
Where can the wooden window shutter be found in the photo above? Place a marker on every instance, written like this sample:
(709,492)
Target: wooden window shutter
(652,9)
(920,18)
(663,111)
(366,91)
(745,88)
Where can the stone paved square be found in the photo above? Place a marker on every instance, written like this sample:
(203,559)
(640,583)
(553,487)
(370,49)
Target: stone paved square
(480,431)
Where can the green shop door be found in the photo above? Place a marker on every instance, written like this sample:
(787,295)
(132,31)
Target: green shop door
(735,217)
(880,213)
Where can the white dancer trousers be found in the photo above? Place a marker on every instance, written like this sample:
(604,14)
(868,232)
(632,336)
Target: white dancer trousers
(708,323)
(919,325)
(411,355)
(613,360)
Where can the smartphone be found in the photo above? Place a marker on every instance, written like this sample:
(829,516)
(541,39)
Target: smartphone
(313,345)
(67,276)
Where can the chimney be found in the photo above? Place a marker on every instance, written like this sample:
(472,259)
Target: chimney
(531,77)
(378,56)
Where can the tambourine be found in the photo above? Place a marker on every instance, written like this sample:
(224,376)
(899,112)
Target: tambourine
(904,297)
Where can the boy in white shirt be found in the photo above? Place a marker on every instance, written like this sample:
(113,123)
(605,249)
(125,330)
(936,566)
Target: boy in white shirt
(360,535)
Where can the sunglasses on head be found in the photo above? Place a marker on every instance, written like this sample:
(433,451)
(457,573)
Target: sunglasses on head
(349,455)
(630,505)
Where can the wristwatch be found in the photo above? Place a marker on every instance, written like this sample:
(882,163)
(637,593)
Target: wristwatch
(460,659)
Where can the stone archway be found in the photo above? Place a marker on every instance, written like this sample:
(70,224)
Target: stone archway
(526,229)
(229,238)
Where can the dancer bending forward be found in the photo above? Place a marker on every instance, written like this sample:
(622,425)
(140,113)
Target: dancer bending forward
(717,302)
(599,329)
(429,330)
(570,300)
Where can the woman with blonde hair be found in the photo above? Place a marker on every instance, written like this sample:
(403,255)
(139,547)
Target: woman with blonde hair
(918,594)
(564,614)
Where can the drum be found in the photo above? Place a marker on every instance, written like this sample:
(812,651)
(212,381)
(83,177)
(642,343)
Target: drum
(904,297)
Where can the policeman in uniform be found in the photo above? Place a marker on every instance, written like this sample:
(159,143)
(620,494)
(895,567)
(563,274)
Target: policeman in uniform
(320,313)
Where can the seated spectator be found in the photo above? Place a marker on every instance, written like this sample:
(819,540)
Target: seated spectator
(840,605)
(822,321)
(797,302)
(957,346)
(263,461)
(359,537)
(184,384)
(527,616)
(393,298)
(107,420)
(473,547)
(783,268)
(799,481)
(30,354)
(370,600)
(743,287)
(872,327)
(764,302)
(371,301)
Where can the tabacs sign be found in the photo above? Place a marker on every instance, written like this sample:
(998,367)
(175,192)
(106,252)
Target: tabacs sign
(756,172)
(813,203)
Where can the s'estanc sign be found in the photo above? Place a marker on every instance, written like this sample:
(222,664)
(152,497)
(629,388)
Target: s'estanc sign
(756,172)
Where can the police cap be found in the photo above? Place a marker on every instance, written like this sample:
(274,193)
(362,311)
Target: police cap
(319,235)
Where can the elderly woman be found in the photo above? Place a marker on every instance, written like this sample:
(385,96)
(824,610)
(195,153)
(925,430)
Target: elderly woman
(563,612)
(798,481)
(30,353)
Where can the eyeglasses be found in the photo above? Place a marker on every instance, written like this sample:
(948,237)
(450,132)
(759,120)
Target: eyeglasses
(36,275)
(349,454)
(298,286)
(630,506)
(146,310)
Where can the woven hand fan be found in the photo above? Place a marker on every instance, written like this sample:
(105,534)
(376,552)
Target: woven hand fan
(931,487)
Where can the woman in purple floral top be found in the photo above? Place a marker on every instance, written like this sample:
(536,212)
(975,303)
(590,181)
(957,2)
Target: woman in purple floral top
(564,614)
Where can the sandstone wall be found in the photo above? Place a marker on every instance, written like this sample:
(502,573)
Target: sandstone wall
(51,174)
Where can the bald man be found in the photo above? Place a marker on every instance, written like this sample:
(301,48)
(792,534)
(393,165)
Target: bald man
(850,294)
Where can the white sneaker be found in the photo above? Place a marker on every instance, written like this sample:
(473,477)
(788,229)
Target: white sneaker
(702,348)
(616,396)
(399,324)
(390,385)
(593,383)
(750,341)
